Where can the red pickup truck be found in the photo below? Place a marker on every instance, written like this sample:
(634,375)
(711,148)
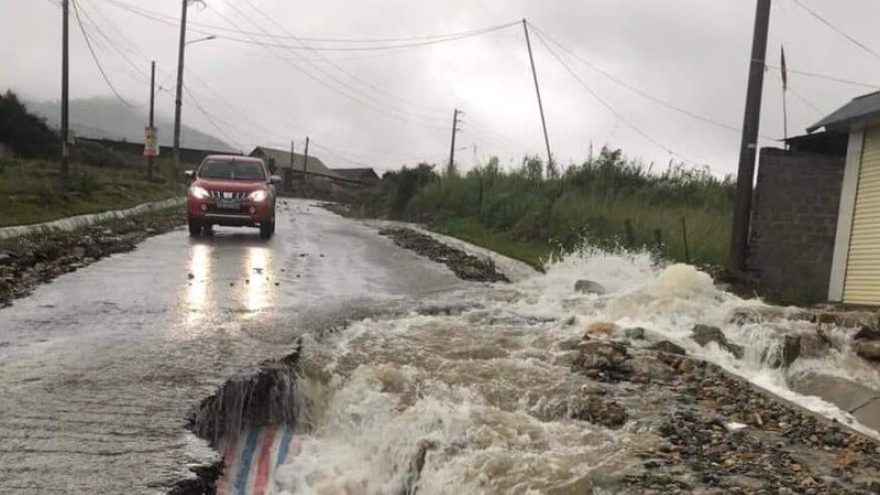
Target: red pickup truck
(233,191)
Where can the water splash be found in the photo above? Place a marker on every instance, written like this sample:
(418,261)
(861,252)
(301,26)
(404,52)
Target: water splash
(480,399)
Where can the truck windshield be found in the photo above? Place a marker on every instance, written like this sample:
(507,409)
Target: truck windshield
(231,170)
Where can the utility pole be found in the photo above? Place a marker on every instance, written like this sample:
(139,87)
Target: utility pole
(152,129)
(455,130)
(179,95)
(306,159)
(749,147)
(538,91)
(65,81)
(292,154)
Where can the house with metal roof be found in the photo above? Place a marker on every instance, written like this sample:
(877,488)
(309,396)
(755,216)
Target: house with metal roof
(855,266)
(361,175)
(312,166)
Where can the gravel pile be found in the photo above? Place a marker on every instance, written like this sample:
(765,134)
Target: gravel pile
(465,266)
(715,434)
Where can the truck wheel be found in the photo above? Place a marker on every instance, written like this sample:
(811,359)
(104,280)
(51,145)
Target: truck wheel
(194,229)
(266,230)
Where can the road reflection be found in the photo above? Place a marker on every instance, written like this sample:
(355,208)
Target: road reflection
(197,290)
(258,293)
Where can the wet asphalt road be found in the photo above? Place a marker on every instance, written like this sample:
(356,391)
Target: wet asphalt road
(99,368)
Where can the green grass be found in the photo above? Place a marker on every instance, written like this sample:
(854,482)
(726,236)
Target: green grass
(32,191)
(533,253)
(530,211)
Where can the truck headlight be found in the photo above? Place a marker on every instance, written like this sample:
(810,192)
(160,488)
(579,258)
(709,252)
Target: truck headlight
(258,196)
(198,192)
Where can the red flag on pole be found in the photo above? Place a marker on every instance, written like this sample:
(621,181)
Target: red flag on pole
(784,71)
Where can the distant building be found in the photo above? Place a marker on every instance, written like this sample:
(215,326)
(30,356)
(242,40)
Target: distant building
(281,160)
(188,156)
(362,175)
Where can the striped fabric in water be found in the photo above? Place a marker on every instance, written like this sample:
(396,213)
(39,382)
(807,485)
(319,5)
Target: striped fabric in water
(252,457)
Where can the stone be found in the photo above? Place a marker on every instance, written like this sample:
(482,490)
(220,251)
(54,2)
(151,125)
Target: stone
(601,411)
(600,329)
(589,287)
(705,334)
(789,351)
(568,344)
(651,367)
(634,333)
(868,349)
(78,252)
(669,348)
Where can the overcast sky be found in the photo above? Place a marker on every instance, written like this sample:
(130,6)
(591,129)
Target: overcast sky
(394,107)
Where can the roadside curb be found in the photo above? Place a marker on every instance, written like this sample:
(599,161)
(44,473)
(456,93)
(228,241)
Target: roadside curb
(76,222)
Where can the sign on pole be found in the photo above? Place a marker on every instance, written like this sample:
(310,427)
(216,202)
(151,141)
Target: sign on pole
(151,142)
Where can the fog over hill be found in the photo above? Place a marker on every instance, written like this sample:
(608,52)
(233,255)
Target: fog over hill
(108,118)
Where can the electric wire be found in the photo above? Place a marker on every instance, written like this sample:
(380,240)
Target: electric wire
(97,61)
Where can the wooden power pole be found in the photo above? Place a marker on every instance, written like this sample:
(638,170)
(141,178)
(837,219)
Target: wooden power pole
(65,82)
(739,240)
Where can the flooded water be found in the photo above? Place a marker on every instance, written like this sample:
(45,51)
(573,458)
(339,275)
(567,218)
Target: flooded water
(473,393)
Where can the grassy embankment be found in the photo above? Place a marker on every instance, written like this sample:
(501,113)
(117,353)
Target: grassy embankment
(531,213)
(31,187)
(31,191)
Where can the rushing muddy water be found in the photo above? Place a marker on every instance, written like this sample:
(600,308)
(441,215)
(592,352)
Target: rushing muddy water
(474,392)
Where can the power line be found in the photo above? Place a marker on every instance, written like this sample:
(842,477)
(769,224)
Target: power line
(340,69)
(95,58)
(637,90)
(405,39)
(364,102)
(836,29)
(825,77)
(610,108)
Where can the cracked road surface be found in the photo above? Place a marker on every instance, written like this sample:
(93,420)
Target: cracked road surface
(99,368)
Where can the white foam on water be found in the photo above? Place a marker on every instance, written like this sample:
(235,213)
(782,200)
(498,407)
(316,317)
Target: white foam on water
(488,392)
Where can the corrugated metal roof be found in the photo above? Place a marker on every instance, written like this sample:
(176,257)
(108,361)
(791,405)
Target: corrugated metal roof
(282,160)
(861,110)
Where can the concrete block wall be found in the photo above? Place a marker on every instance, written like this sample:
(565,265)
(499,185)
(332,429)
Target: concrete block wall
(794,222)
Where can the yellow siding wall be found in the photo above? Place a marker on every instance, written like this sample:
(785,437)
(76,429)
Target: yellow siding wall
(862,283)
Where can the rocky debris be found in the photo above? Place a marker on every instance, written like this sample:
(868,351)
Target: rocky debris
(716,434)
(465,266)
(705,334)
(589,287)
(603,361)
(601,411)
(866,321)
(599,329)
(767,314)
(668,347)
(634,333)
(869,349)
(28,261)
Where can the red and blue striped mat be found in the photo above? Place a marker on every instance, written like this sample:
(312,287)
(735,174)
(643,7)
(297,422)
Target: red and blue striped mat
(252,458)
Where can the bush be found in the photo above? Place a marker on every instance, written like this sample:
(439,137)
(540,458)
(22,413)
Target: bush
(27,135)
(607,200)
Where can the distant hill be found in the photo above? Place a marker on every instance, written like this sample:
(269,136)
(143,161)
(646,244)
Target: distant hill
(108,118)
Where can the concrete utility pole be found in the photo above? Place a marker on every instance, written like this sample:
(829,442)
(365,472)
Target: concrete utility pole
(538,91)
(65,82)
(292,154)
(455,130)
(179,95)
(152,106)
(306,159)
(749,147)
